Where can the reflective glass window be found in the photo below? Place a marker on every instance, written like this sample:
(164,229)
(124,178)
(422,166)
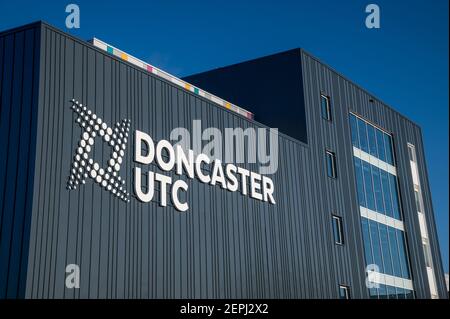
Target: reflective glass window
(370,198)
(337,230)
(380,145)
(360,182)
(386,193)
(344,292)
(331,164)
(372,140)
(354,130)
(394,196)
(377,188)
(373,293)
(388,149)
(403,255)
(391,292)
(384,239)
(400,293)
(367,242)
(417,199)
(409,294)
(362,132)
(376,246)
(382,292)
(326,107)
(395,256)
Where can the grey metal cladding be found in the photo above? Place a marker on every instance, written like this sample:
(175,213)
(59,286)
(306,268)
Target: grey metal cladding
(347,97)
(226,245)
(19,70)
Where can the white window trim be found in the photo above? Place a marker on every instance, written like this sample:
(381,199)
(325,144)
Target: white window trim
(398,282)
(323,95)
(374,161)
(340,230)
(381,218)
(347,291)
(333,156)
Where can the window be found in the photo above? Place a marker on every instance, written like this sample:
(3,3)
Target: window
(388,149)
(337,230)
(331,164)
(380,145)
(371,135)
(354,130)
(426,250)
(411,153)
(362,130)
(344,292)
(417,199)
(326,108)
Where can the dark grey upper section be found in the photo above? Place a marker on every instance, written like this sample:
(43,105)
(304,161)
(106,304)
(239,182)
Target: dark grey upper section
(19,83)
(270,87)
(226,245)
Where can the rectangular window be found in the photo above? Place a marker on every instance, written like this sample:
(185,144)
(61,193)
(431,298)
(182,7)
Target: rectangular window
(426,251)
(388,149)
(382,292)
(417,199)
(372,140)
(344,292)
(331,164)
(337,230)
(384,239)
(370,197)
(360,182)
(378,190)
(386,193)
(326,108)
(354,130)
(362,132)
(367,242)
(380,146)
(394,195)
(397,268)
(411,154)
(402,251)
(376,246)
(391,292)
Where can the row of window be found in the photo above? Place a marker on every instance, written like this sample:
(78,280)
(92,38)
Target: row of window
(377,189)
(371,140)
(330,159)
(381,292)
(390,292)
(385,247)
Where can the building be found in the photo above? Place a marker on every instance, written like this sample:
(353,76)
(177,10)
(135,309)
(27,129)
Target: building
(79,220)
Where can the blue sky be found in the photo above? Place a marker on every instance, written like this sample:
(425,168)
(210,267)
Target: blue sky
(405,63)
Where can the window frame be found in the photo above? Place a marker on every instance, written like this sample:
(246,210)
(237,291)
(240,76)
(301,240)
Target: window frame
(338,219)
(326,116)
(332,155)
(347,294)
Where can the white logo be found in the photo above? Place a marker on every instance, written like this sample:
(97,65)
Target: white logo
(84,167)
(73,276)
(373,19)
(73,19)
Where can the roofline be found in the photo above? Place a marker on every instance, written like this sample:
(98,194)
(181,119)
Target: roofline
(303,51)
(358,86)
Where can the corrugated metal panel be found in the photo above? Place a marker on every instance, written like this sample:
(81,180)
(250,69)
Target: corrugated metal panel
(227,245)
(19,65)
(346,97)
